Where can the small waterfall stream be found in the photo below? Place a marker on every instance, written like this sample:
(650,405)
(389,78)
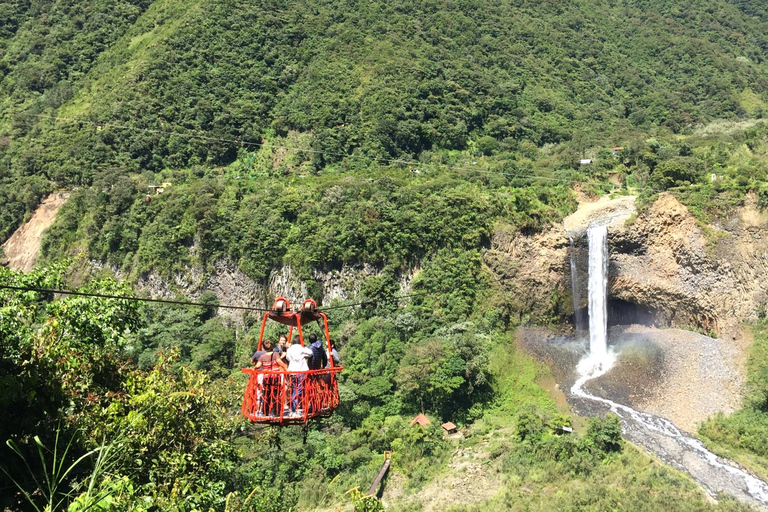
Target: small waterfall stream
(578,314)
(656,434)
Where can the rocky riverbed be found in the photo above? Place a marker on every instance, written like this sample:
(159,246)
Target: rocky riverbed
(662,384)
(676,374)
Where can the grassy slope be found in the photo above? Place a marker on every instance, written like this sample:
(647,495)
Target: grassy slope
(742,435)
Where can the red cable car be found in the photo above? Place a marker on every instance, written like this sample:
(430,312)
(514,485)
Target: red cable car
(285,397)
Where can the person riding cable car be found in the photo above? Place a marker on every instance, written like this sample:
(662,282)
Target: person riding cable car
(279,396)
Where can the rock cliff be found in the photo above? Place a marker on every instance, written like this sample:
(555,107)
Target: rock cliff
(233,287)
(709,277)
(664,262)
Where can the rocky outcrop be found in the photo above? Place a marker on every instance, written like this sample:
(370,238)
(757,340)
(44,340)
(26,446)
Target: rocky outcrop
(709,277)
(233,287)
(532,270)
(535,270)
(687,274)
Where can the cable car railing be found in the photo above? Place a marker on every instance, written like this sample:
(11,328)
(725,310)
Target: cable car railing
(290,397)
(275,396)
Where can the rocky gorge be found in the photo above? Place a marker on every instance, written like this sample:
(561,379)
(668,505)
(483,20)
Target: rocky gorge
(666,267)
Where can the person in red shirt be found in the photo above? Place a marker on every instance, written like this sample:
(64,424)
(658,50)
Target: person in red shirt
(272,396)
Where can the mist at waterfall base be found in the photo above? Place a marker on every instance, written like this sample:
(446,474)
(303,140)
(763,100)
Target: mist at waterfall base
(658,435)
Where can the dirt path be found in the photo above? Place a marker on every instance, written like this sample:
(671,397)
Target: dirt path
(620,207)
(23,247)
(472,477)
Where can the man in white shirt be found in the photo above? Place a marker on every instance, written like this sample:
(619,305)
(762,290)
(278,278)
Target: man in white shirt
(297,362)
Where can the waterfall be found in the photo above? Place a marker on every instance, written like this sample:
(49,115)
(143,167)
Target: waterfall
(578,317)
(658,435)
(598,279)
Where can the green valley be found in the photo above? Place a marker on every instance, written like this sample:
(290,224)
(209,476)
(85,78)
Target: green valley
(378,157)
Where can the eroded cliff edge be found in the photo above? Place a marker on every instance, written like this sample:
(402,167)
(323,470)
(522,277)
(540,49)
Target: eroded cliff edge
(663,262)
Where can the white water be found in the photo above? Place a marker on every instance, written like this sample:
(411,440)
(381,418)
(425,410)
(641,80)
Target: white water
(598,278)
(675,447)
(599,359)
(657,434)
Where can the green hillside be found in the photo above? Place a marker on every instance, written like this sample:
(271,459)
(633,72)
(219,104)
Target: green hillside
(329,134)
(371,80)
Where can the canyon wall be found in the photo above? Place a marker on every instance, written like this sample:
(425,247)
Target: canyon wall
(688,275)
(665,267)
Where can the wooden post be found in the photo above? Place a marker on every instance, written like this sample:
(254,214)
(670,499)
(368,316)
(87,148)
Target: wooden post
(382,473)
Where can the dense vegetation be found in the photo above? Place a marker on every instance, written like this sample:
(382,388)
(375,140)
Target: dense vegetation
(334,134)
(90,86)
(167,436)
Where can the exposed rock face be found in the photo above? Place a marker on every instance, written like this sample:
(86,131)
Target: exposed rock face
(533,270)
(536,270)
(710,278)
(233,287)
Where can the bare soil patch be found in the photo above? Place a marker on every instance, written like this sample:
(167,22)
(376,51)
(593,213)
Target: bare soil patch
(23,247)
(472,477)
(604,208)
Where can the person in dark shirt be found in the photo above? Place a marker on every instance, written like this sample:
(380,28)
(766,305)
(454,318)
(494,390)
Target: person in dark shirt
(257,355)
(319,359)
(282,344)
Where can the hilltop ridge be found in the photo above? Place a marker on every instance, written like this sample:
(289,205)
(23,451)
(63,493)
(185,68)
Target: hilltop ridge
(90,86)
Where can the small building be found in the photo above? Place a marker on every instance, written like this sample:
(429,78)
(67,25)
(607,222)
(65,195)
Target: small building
(616,150)
(449,427)
(158,189)
(421,420)
(585,161)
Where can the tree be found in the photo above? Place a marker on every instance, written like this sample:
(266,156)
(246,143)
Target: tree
(676,172)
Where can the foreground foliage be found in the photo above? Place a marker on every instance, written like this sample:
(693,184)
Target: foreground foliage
(169,437)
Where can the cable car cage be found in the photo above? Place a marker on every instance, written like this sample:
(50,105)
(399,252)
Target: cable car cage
(285,397)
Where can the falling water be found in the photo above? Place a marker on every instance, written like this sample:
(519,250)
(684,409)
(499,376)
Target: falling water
(598,273)
(657,434)
(578,317)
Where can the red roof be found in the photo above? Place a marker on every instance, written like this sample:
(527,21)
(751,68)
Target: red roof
(449,426)
(421,420)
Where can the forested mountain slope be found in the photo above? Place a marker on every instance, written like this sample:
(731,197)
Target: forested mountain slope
(374,79)
(398,136)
